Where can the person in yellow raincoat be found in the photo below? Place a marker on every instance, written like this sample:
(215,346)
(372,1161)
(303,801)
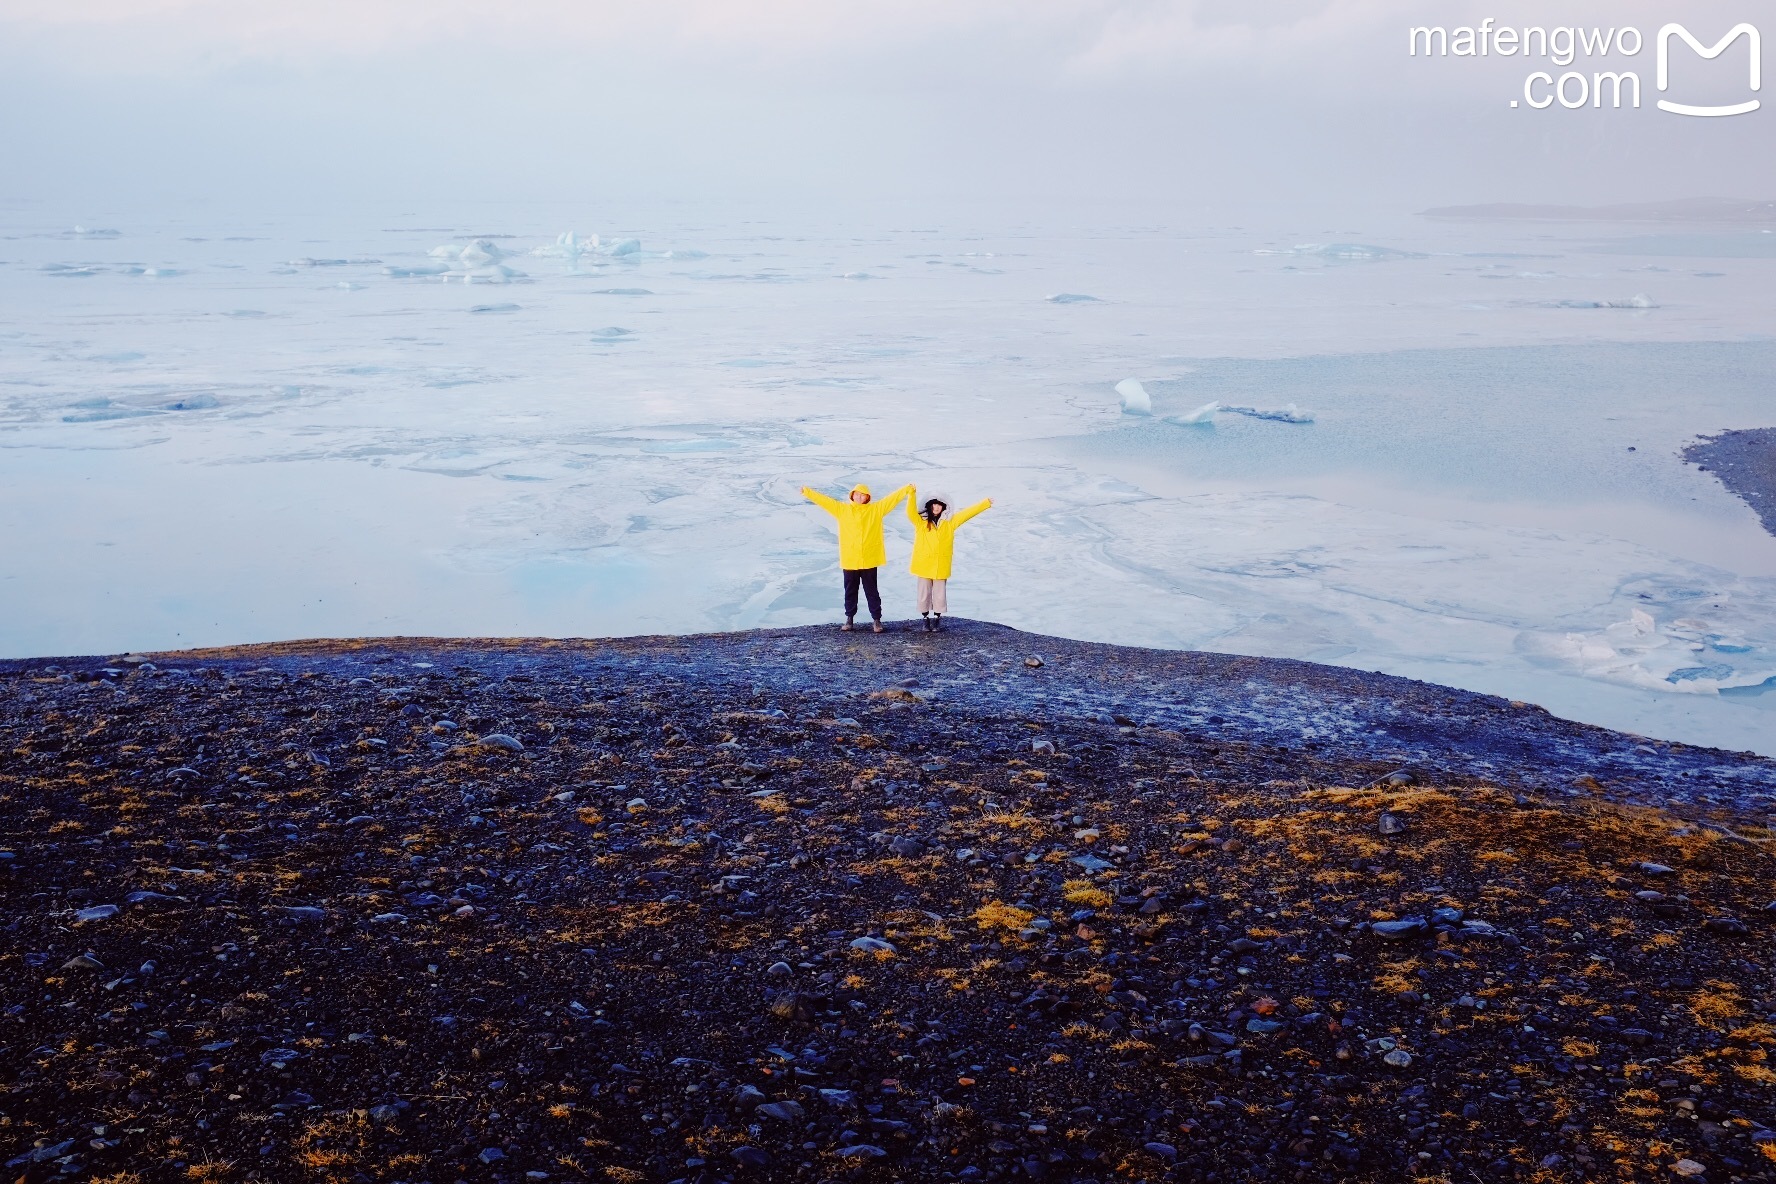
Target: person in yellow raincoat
(934,548)
(861,550)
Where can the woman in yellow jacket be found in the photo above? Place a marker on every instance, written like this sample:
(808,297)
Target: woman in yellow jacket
(934,546)
(861,550)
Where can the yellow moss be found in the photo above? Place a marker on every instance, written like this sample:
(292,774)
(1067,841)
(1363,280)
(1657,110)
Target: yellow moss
(996,914)
(1086,893)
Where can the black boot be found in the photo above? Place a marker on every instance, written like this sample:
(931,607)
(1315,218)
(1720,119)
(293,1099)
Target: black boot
(927,621)
(937,623)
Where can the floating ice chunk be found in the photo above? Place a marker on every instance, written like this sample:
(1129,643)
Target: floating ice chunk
(1072,298)
(481,253)
(624,246)
(417,269)
(1135,400)
(621,292)
(857,275)
(67,269)
(612,333)
(95,232)
(1202,415)
(1345,252)
(1642,300)
(494,308)
(684,253)
(306,262)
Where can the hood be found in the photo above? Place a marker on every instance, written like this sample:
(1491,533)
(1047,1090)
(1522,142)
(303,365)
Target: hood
(860,487)
(949,506)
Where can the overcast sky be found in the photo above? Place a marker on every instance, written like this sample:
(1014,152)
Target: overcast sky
(1027,104)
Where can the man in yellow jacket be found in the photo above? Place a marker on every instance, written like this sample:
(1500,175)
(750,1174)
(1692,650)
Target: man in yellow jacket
(934,550)
(861,550)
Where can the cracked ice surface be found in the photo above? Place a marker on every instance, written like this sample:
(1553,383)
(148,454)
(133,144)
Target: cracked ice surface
(1435,458)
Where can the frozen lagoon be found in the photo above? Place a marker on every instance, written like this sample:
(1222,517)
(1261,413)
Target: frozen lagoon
(221,429)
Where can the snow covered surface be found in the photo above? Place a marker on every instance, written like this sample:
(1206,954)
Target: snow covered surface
(1440,449)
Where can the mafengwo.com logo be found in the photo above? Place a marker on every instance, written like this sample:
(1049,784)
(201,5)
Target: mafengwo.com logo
(1603,82)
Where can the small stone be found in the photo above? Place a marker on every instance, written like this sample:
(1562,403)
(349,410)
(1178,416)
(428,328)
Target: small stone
(1656,869)
(906,847)
(83,962)
(1729,926)
(1650,896)
(303,912)
(147,899)
(778,970)
(502,741)
(748,1096)
(1399,1058)
(751,1157)
(1042,746)
(491,1155)
(1688,1168)
(862,1151)
(1398,930)
(1033,663)
(786,1111)
(872,945)
(98,912)
(1163,1150)
(636,805)
(1391,824)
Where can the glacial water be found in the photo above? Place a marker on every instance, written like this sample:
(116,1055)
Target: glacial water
(1439,449)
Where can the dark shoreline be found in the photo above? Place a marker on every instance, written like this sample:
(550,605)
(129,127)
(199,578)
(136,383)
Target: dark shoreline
(1744,460)
(807,906)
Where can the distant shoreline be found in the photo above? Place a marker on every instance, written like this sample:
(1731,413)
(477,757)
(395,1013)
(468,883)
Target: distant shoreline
(1744,460)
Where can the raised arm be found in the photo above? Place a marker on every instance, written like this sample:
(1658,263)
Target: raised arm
(829,504)
(905,491)
(912,506)
(977,508)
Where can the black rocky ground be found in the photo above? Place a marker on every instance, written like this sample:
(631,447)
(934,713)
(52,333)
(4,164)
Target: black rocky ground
(799,905)
(1745,462)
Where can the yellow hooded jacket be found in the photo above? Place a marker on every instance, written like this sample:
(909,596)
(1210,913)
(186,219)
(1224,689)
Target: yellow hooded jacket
(934,547)
(860,527)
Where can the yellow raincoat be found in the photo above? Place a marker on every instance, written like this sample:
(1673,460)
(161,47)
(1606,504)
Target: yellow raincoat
(860,527)
(934,547)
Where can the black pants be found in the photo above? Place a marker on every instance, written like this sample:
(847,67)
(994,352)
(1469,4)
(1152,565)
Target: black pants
(867,577)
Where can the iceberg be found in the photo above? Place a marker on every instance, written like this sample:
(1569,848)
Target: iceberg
(1135,400)
(1203,414)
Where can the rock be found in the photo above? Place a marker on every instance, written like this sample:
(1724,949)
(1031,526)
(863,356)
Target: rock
(97,912)
(502,741)
(1245,945)
(906,847)
(786,1111)
(1399,1058)
(385,1114)
(748,1096)
(1729,926)
(872,945)
(636,805)
(838,1097)
(778,970)
(792,1005)
(1033,662)
(1391,824)
(1446,916)
(1688,1168)
(862,1151)
(305,913)
(147,899)
(390,919)
(1656,869)
(1163,1150)
(1398,930)
(83,962)
(491,1155)
(1042,746)
(1397,777)
(1650,896)
(750,1157)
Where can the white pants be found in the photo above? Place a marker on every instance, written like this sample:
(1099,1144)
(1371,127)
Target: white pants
(931,596)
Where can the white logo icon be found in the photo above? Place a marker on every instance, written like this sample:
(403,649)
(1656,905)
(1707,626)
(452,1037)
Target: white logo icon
(1710,53)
